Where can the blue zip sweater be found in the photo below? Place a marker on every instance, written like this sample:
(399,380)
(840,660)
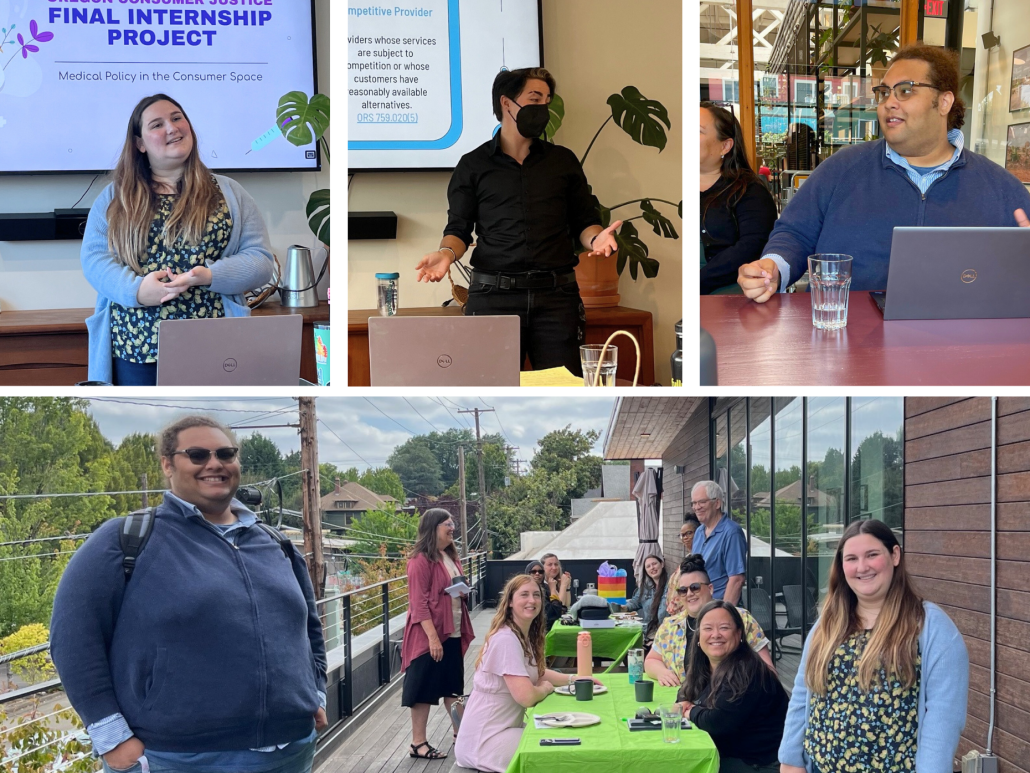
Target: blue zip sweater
(208,647)
(855,198)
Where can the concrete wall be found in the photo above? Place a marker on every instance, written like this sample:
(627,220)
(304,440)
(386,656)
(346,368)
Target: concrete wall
(593,48)
(47,275)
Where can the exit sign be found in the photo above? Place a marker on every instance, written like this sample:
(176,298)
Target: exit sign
(936,8)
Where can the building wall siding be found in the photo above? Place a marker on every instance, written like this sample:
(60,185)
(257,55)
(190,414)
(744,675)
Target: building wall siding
(947,544)
(689,449)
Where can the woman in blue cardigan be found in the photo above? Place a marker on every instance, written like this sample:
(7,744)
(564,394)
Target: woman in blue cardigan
(167,239)
(884,675)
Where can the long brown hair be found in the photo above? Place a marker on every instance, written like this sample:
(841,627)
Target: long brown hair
(425,541)
(737,670)
(659,591)
(533,644)
(735,167)
(135,201)
(894,642)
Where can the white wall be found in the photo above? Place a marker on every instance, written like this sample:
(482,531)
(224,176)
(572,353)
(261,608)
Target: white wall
(47,275)
(593,48)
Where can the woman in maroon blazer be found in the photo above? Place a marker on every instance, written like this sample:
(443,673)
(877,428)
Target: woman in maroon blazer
(438,630)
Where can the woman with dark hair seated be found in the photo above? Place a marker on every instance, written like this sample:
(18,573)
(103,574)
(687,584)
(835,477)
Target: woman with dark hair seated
(553,608)
(737,210)
(731,694)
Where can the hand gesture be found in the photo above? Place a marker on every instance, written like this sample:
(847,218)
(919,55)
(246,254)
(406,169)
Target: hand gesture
(154,290)
(552,585)
(604,243)
(760,280)
(433,267)
(199,276)
(566,581)
(125,754)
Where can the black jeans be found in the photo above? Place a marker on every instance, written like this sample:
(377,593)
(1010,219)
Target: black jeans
(553,321)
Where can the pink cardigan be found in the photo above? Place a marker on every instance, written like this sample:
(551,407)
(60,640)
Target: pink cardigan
(427,601)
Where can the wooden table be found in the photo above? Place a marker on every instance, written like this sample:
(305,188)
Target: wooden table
(601,323)
(51,347)
(774,343)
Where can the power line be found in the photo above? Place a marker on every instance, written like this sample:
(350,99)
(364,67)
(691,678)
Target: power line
(43,539)
(416,410)
(389,416)
(463,424)
(170,405)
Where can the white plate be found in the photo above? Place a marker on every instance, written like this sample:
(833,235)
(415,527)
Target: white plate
(573,719)
(599,689)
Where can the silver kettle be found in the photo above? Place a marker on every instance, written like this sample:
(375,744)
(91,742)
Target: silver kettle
(299,286)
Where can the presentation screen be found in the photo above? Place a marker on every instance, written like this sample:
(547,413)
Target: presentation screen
(73,72)
(420,72)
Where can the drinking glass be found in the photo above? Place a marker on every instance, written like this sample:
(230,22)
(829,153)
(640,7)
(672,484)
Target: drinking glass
(590,359)
(829,283)
(672,717)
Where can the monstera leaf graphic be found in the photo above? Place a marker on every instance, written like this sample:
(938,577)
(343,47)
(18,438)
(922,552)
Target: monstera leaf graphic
(318,214)
(658,222)
(640,118)
(302,121)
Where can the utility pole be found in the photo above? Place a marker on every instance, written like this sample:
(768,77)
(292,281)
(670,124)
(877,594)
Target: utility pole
(462,511)
(143,486)
(518,466)
(312,511)
(482,478)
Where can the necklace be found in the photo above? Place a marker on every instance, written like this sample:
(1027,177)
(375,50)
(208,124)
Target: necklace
(691,628)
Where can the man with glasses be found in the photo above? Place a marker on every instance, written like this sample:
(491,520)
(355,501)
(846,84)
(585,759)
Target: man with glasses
(720,541)
(206,653)
(919,174)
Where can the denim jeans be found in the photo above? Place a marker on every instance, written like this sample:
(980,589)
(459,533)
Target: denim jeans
(134,374)
(553,321)
(295,758)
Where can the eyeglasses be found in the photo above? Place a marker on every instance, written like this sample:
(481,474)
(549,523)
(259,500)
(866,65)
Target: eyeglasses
(694,587)
(902,90)
(685,534)
(700,502)
(536,571)
(201,455)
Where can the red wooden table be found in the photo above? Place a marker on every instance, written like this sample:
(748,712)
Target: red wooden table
(774,343)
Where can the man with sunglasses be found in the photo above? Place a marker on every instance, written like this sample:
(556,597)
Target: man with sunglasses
(207,652)
(918,174)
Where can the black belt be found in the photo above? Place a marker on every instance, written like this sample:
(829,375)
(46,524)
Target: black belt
(531,280)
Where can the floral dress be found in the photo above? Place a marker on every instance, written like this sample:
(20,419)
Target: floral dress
(851,731)
(134,330)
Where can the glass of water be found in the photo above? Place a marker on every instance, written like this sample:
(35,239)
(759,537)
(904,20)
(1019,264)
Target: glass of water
(672,718)
(829,284)
(590,359)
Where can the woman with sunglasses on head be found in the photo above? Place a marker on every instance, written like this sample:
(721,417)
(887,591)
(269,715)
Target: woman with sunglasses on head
(666,662)
(167,239)
(206,652)
(730,694)
(884,675)
(553,606)
(438,630)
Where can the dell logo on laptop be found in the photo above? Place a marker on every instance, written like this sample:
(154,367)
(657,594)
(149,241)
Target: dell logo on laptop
(444,361)
(968,276)
(229,365)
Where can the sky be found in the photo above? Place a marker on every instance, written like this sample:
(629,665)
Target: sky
(366,429)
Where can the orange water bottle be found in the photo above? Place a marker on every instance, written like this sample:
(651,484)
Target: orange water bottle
(584,655)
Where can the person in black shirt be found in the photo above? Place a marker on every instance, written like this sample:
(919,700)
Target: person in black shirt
(529,204)
(737,211)
(731,694)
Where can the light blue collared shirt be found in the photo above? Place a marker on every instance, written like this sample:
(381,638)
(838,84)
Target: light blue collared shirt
(921,180)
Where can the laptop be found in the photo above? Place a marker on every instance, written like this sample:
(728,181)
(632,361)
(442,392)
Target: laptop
(233,351)
(444,351)
(958,273)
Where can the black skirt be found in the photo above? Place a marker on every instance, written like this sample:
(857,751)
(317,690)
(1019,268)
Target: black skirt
(427,681)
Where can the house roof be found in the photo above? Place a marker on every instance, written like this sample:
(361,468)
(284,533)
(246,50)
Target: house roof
(354,495)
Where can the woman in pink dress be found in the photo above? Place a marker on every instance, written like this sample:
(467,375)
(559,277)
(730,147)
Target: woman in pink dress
(510,677)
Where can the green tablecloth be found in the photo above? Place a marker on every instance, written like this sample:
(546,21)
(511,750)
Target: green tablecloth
(609,643)
(610,746)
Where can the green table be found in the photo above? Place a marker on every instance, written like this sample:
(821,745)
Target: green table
(610,746)
(609,643)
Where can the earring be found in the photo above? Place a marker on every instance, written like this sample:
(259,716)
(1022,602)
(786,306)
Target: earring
(723,156)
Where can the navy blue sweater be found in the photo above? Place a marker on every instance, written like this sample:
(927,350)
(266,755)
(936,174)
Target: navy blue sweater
(855,198)
(208,647)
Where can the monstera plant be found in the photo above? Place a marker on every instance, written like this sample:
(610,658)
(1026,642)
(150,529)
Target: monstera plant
(645,121)
(303,121)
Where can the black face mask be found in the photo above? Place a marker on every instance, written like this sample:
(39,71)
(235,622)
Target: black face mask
(532,119)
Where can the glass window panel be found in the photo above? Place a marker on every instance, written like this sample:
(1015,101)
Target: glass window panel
(721,453)
(787,442)
(877,459)
(826,517)
(738,464)
(761,493)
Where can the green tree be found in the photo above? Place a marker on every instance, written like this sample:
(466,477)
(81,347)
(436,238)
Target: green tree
(260,458)
(396,531)
(533,502)
(417,468)
(568,450)
(383,481)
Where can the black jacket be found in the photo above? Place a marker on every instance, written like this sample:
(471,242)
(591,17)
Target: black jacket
(733,236)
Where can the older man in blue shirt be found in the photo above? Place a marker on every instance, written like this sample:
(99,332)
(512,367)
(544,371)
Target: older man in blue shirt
(720,540)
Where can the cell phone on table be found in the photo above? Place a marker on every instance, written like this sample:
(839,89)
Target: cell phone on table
(559,742)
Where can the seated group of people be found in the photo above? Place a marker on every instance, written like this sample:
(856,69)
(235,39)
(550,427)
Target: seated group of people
(881,685)
(918,174)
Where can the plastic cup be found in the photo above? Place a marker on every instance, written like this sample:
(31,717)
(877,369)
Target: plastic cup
(590,359)
(584,689)
(829,284)
(644,690)
(672,717)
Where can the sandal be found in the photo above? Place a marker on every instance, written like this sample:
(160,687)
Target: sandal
(434,754)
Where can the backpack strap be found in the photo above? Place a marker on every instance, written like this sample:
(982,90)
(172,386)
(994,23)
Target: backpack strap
(133,537)
(278,536)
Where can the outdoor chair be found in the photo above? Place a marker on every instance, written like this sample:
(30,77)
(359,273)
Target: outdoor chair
(760,606)
(792,599)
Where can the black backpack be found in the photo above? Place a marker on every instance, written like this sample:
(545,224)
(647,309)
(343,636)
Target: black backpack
(138,525)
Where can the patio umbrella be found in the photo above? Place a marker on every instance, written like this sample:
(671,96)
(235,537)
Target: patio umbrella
(645,491)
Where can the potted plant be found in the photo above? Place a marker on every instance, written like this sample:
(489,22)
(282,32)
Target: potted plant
(303,121)
(645,121)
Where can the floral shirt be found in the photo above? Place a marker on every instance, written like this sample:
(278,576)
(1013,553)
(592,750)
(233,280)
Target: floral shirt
(851,731)
(673,634)
(134,330)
